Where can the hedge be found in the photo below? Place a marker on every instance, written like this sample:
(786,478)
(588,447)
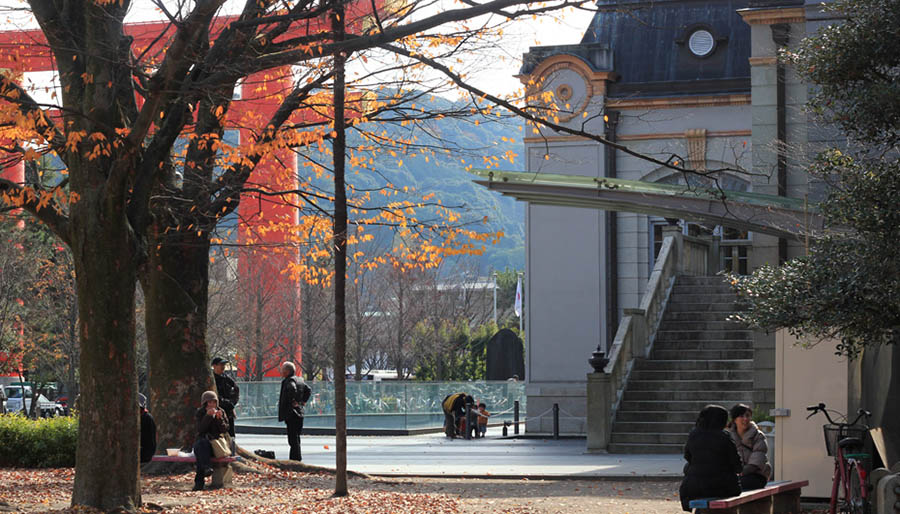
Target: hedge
(37,443)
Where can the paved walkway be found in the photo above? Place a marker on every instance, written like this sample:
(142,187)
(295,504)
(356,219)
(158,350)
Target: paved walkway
(435,455)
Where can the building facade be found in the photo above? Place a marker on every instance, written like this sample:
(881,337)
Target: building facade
(692,83)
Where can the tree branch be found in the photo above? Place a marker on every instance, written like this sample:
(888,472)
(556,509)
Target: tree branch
(48,212)
(458,80)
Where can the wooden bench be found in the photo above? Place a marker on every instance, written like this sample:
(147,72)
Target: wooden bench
(222,473)
(781,497)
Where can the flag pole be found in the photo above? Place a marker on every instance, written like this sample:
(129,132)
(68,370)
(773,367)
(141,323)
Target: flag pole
(520,300)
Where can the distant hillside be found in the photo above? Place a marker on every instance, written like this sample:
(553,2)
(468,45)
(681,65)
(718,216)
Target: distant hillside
(444,174)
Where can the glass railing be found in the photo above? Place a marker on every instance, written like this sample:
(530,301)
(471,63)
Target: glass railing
(385,405)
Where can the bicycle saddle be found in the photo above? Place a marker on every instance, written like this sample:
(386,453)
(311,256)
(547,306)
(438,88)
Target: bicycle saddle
(850,442)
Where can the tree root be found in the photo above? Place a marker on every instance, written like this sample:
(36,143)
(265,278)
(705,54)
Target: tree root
(252,463)
(253,459)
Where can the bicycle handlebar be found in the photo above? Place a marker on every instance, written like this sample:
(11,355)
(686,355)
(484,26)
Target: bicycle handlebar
(821,407)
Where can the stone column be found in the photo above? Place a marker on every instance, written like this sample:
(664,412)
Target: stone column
(675,231)
(712,259)
(640,333)
(599,405)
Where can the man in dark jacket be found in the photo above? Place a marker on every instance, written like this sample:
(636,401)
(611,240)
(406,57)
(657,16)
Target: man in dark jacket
(294,395)
(148,431)
(228,391)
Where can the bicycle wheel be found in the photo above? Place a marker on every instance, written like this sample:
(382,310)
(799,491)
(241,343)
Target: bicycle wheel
(855,501)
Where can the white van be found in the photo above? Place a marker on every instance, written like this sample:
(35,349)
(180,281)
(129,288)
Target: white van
(14,402)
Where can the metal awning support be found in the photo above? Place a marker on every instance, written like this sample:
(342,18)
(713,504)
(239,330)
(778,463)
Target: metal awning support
(768,214)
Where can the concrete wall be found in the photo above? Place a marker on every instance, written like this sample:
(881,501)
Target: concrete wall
(806,376)
(565,291)
(765,179)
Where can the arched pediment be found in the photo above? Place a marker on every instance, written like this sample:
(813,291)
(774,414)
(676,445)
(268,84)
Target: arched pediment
(726,181)
(571,81)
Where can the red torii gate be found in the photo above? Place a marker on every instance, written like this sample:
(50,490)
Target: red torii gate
(27,51)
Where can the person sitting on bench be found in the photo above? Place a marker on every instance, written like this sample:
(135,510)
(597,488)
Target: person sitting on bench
(148,431)
(751,446)
(713,462)
(212,425)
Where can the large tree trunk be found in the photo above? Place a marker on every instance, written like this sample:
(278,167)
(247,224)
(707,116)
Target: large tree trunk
(175,285)
(106,464)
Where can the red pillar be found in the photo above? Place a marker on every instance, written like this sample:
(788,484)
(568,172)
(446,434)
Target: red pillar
(272,298)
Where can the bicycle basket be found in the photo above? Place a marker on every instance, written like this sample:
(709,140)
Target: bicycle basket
(835,433)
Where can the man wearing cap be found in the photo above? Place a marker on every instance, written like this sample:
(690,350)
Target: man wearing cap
(229,394)
(294,395)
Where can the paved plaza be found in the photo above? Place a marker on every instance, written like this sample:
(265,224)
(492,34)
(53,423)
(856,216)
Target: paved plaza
(433,455)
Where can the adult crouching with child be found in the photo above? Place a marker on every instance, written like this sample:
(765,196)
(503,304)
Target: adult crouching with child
(212,427)
(751,446)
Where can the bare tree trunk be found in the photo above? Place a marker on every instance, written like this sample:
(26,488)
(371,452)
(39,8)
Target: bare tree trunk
(106,463)
(340,262)
(176,283)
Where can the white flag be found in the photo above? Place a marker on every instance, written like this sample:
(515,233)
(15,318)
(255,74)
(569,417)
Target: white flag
(518,306)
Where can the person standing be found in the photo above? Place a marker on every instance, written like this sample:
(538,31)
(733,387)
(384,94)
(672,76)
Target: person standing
(228,391)
(483,416)
(293,397)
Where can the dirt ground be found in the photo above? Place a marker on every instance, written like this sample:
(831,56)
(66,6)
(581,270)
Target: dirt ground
(276,491)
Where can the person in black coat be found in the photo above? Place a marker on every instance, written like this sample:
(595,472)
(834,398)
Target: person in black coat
(148,431)
(228,391)
(713,463)
(294,395)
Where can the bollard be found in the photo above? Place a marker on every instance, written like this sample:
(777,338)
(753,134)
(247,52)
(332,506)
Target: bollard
(505,427)
(516,417)
(555,421)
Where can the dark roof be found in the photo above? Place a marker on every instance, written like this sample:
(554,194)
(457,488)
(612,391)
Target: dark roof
(597,56)
(648,42)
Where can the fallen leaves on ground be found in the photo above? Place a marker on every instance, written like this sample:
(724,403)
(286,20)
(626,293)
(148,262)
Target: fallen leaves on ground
(277,491)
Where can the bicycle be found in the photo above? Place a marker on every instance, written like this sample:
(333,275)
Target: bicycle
(844,442)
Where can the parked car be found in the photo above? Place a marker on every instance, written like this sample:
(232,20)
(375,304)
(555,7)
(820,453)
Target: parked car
(46,408)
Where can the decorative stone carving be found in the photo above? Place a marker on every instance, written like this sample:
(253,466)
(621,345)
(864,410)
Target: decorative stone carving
(696,143)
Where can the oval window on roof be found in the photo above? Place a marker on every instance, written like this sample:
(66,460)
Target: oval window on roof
(701,43)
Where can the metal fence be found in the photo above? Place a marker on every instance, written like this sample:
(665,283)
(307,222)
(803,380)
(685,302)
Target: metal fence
(385,405)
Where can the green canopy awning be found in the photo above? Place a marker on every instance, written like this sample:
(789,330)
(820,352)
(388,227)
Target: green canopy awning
(775,215)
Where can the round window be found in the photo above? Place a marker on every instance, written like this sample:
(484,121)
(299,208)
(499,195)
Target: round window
(701,43)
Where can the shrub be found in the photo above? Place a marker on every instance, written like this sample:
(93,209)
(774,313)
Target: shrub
(37,443)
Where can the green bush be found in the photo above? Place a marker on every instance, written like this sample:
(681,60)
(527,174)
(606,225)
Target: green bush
(37,443)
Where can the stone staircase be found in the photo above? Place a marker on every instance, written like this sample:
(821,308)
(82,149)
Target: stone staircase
(698,358)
